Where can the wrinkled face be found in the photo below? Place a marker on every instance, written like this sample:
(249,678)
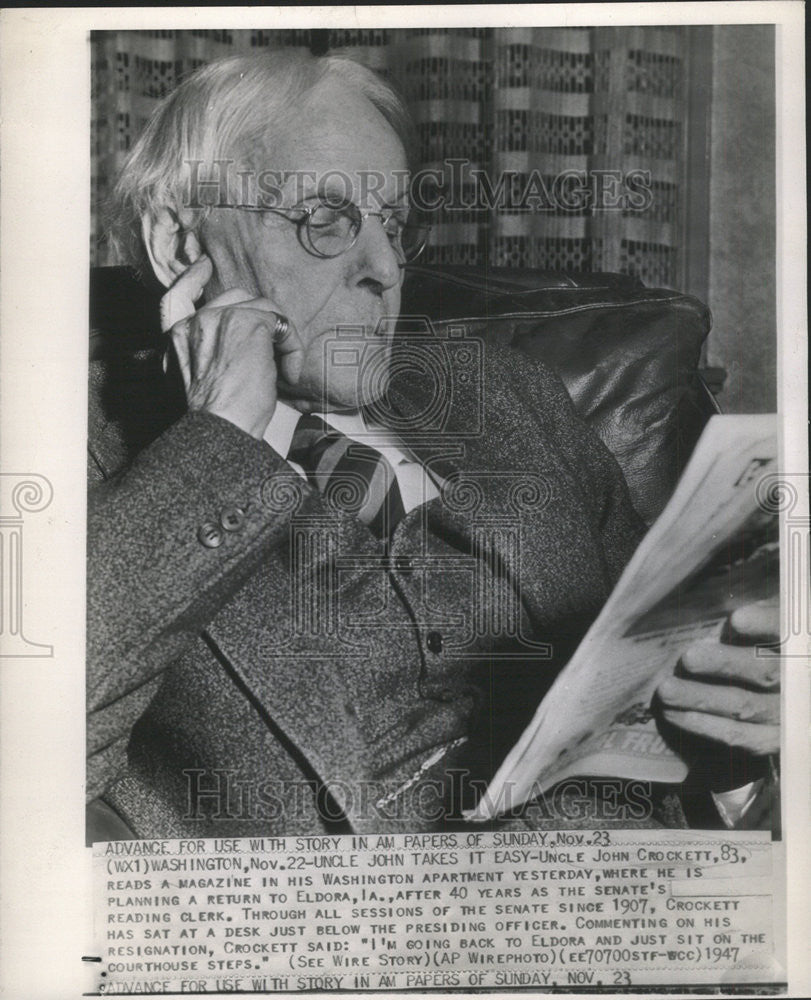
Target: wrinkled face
(338,132)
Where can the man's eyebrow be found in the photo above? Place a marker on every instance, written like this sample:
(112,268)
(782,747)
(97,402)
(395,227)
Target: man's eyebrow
(334,192)
(306,199)
(402,202)
(402,205)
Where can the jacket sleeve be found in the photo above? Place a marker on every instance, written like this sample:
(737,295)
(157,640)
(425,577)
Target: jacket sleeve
(160,562)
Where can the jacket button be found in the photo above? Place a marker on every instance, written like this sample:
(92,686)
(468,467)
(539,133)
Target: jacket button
(434,642)
(232,518)
(210,535)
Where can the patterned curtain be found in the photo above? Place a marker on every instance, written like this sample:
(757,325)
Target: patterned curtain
(554,119)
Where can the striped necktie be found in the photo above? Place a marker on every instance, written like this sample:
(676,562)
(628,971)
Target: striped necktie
(350,476)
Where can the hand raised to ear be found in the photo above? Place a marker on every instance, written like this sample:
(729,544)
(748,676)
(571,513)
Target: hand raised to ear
(228,351)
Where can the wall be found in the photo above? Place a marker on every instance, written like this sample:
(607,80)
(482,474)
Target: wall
(742,216)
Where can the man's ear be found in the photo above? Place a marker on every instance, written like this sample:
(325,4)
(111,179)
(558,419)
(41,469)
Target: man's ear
(170,245)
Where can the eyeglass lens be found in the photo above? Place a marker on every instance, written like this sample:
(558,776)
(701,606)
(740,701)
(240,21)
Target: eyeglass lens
(332,229)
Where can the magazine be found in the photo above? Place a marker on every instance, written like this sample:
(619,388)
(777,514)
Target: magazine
(714,548)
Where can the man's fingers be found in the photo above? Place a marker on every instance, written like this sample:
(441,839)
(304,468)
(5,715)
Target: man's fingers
(232,353)
(720,700)
(198,331)
(758,622)
(728,693)
(178,302)
(753,737)
(230,298)
(289,345)
(715,660)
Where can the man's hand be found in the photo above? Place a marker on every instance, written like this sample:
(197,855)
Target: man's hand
(226,351)
(727,692)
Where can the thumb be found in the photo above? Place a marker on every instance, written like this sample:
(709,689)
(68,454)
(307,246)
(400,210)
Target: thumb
(178,302)
(757,622)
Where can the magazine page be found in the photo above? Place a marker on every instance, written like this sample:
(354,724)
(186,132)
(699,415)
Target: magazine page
(715,548)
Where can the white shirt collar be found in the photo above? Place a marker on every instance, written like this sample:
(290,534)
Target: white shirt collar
(417,485)
(280,430)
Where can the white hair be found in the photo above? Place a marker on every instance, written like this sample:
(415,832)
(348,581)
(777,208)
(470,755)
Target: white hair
(227,110)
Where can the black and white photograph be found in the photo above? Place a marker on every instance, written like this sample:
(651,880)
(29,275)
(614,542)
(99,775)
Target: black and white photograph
(464,266)
(444,553)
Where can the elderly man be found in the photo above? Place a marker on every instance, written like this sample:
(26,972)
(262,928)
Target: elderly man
(263,653)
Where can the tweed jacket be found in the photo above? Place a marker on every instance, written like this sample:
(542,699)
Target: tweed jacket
(299,675)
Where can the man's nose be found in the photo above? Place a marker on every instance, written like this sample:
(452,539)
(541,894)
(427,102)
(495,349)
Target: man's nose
(374,256)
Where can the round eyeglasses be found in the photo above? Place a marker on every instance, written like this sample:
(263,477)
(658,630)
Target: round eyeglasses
(328,229)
